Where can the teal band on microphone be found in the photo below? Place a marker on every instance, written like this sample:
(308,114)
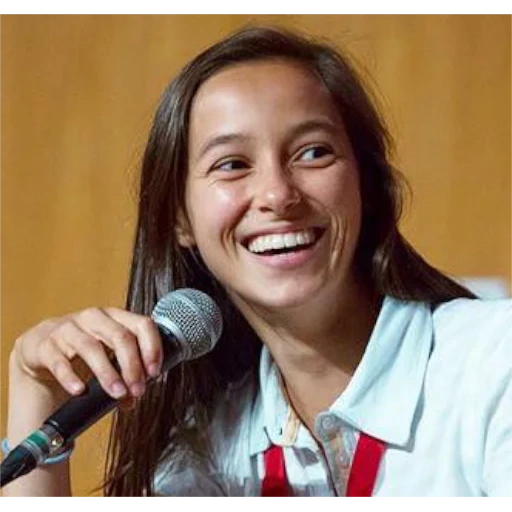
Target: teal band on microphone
(63,455)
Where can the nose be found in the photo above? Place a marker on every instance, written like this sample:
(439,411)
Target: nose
(276,190)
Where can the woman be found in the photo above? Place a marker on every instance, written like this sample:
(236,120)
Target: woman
(266,184)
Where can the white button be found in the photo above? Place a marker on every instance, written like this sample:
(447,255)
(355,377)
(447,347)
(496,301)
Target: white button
(327,424)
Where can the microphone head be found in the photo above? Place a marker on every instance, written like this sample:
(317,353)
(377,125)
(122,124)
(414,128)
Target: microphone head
(193,318)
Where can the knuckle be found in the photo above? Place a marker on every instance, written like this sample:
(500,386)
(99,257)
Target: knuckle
(89,313)
(59,367)
(122,336)
(88,346)
(62,328)
(149,330)
(105,373)
(47,345)
(152,352)
(37,333)
(147,325)
(49,324)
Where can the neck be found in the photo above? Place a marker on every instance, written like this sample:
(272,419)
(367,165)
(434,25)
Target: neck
(318,350)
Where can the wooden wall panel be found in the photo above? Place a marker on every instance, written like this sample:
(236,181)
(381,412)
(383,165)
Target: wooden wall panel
(78,93)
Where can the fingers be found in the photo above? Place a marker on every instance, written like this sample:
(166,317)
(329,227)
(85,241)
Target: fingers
(133,338)
(103,328)
(60,367)
(71,338)
(149,341)
(120,348)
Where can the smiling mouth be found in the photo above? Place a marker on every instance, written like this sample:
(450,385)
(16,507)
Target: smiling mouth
(284,243)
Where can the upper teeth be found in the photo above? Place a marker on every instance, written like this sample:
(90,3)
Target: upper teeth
(268,242)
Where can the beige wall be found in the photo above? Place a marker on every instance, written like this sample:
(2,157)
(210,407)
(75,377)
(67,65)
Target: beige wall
(77,96)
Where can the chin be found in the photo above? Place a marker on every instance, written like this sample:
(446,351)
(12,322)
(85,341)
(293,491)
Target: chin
(282,297)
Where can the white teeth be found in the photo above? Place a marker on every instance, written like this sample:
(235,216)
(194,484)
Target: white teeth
(268,242)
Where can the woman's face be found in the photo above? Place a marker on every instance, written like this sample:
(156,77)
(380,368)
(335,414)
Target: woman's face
(272,195)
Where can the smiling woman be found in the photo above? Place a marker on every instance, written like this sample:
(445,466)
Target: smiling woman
(285,168)
(266,183)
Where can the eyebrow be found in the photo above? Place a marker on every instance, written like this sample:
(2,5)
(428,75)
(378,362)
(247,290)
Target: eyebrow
(313,125)
(296,131)
(219,140)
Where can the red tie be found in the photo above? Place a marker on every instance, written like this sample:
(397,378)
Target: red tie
(275,482)
(361,480)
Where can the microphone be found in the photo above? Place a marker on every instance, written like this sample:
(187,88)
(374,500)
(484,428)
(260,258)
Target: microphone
(190,324)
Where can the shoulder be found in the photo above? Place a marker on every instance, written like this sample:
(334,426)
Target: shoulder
(474,325)
(484,315)
(472,345)
(469,386)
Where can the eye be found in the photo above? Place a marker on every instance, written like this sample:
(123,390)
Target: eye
(314,153)
(232,164)
(316,157)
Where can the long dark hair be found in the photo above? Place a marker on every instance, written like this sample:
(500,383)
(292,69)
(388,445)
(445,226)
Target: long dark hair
(392,267)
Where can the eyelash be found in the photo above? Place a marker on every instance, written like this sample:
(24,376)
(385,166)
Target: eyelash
(231,161)
(326,151)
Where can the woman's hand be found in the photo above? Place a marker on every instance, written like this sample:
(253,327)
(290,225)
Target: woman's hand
(62,353)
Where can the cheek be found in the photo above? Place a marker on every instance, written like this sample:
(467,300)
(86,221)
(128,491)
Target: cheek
(340,194)
(214,211)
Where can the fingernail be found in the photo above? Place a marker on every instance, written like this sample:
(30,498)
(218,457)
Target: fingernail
(118,389)
(137,389)
(154,370)
(76,387)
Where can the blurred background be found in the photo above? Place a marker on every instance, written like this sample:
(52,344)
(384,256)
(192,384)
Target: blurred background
(78,94)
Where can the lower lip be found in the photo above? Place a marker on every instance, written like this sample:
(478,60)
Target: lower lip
(288,260)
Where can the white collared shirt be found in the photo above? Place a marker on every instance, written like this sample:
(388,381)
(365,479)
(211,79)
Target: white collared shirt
(435,386)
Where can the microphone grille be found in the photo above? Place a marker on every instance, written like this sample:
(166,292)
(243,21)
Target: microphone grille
(194,319)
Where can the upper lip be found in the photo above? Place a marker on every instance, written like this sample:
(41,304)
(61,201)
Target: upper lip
(246,240)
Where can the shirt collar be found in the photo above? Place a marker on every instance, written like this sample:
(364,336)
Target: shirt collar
(381,398)
(271,408)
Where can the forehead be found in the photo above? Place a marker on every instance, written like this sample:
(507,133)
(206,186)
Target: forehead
(274,87)
(260,72)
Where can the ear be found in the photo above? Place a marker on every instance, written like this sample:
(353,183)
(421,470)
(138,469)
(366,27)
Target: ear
(183,231)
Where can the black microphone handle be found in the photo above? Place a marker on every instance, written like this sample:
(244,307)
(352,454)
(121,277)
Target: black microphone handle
(75,416)
(196,330)
(81,411)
